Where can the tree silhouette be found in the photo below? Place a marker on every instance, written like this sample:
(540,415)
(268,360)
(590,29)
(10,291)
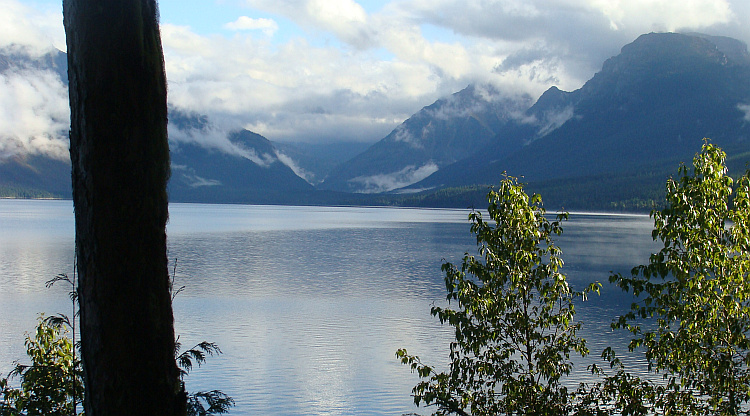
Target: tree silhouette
(120,158)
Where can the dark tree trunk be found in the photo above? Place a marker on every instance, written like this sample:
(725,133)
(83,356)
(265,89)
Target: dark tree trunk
(120,156)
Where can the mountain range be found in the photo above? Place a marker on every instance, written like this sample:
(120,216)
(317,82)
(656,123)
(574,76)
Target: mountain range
(445,132)
(650,106)
(608,145)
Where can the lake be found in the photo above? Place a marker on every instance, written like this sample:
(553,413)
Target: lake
(308,304)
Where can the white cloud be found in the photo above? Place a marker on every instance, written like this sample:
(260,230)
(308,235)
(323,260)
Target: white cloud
(213,137)
(300,90)
(267,26)
(552,120)
(745,108)
(346,19)
(34,114)
(295,91)
(403,135)
(199,182)
(664,15)
(573,37)
(463,105)
(40,29)
(289,162)
(194,181)
(263,160)
(345,73)
(395,180)
(390,67)
(209,137)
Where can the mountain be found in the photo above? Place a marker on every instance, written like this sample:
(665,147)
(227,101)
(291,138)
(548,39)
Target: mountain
(252,175)
(208,165)
(34,161)
(34,176)
(648,108)
(438,135)
(242,166)
(608,145)
(20,58)
(315,161)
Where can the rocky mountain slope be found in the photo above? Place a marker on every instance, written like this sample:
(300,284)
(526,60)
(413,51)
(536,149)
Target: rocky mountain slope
(442,133)
(650,106)
(615,138)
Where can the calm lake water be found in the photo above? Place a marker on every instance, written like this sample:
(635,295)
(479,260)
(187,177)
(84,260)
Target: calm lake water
(308,304)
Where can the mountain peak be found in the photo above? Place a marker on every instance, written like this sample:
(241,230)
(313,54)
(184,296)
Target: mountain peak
(649,106)
(676,51)
(734,49)
(439,134)
(19,57)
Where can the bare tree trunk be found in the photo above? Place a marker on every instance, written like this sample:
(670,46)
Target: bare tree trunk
(120,156)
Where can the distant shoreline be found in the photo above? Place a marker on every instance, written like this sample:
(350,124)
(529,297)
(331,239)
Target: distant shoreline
(549,211)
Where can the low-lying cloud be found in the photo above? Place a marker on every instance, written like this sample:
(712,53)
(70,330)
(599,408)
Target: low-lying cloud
(403,135)
(34,114)
(188,175)
(388,182)
(550,121)
(354,71)
(211,137)
(309,177)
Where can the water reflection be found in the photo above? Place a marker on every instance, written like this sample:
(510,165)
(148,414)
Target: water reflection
(350,262)
(308,304)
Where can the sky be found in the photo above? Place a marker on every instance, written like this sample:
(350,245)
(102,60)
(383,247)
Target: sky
(346,70)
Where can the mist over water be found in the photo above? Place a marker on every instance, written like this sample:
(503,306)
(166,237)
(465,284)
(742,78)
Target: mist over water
(308,304)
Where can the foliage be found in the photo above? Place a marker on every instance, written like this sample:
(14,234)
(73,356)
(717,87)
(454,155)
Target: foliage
(514,325)
(638,191)
(201,403)
(693,316)
(53,383)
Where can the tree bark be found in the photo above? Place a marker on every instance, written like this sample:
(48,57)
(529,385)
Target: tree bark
(120,157)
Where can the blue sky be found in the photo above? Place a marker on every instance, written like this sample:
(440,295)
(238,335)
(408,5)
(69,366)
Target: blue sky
(209,16)
(347,70)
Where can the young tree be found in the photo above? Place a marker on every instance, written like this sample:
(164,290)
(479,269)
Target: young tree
(52,384)
(514,325)
(697,290)
(120,159)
